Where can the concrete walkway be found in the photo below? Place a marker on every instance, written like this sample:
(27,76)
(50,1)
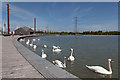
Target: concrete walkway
(13,63)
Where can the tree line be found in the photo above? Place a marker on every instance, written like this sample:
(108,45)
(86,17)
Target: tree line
(83,33)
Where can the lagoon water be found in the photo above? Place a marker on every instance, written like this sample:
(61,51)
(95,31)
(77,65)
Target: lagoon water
(88,50)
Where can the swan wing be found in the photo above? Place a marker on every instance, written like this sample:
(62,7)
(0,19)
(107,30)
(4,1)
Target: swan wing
(98,69)
(54,47)
(56,50)
(58,63)
(44,56)
(71,58)
(31,44)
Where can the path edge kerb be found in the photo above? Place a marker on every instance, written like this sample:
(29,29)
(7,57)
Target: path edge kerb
(43,66)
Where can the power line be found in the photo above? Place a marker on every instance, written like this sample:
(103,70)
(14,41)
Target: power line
(47,28)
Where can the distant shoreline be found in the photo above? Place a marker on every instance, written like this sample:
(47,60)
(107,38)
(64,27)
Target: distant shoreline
(78,35)
(98,35)
(83,33)
(37,35)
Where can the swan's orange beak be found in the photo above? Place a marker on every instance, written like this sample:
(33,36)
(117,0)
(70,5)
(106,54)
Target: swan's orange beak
(112,61)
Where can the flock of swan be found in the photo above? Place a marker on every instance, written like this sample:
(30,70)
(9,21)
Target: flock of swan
(97,69)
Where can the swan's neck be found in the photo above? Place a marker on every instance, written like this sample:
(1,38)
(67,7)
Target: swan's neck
(64,65)
(109,64)
(42,53)
(71,53)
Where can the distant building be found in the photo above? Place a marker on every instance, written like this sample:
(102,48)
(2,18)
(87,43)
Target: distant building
(24,31)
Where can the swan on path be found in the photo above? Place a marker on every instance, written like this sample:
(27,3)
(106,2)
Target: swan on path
(60,64)
(43,54)
(71,57)
(101,70)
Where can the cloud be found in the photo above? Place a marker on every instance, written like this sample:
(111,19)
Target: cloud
(19,17)
(88,9)
(25,18)
(21,13)
(39,23)
(76,9)
(81,12)
(15,23)
(97,27)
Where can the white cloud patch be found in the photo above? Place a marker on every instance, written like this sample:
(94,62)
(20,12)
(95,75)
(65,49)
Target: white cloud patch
(21,13)
(81,12)
(88,9)
(14,24)
(97,27)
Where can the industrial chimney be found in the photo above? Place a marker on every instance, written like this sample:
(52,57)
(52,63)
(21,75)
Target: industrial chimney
(34,25)
(8,18)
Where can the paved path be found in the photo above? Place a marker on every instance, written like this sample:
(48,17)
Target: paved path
(13,63)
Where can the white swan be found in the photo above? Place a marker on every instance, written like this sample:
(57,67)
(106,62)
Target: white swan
(34,46)
(28,41)
(43,54)
(100,69)
(45,46)
(22,40)
(34,39)
(54,47)
(71,57)
(38,39)
(31,44)
(57,50)
(60,64)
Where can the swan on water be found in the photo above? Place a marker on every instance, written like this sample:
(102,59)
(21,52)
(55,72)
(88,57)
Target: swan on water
(34,46)
(54,47)
(43,54)
(31,44)
(101,70)
(71,57)
(22,40)
(60,64)
(57,50)
(34,39)
(28,41)
(38,39)
(45,46)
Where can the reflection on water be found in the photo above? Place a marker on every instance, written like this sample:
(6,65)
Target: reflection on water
(56,52)
(34,49)
(88,50)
